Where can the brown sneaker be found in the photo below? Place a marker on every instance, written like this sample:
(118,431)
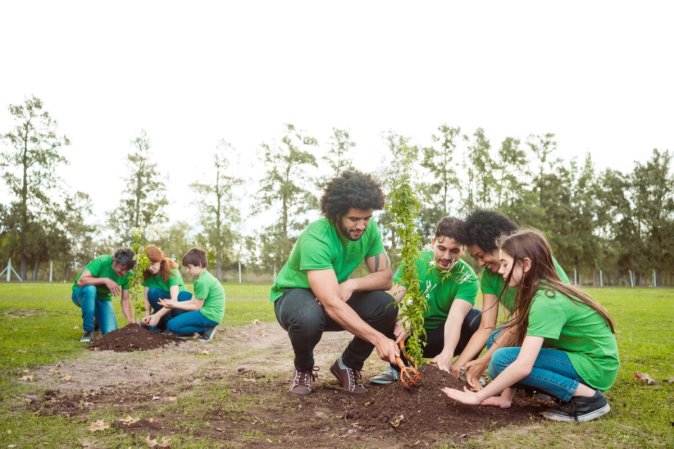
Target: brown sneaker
(347,377)
(301,383)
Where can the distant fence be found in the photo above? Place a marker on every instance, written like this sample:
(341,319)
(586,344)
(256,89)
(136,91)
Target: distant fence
(56,272)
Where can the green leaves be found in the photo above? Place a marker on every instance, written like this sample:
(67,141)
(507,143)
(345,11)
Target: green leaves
(403,209)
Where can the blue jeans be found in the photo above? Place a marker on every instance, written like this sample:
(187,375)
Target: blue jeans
(188,322)
(153,297)
(92,306)
(552,372)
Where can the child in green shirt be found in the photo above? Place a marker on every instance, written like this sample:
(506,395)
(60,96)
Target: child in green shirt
(205,311)
(580,357)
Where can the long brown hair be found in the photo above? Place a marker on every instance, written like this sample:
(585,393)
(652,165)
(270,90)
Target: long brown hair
(155,254)
(532,244)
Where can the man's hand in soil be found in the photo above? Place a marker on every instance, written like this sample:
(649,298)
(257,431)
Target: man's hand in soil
(474,370)
(465,397)
(444,361)
(113,287)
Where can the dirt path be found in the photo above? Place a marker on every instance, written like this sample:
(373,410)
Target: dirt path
(264,348)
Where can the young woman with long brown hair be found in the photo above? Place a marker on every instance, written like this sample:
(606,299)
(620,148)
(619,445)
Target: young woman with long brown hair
(161,280)
(580,357)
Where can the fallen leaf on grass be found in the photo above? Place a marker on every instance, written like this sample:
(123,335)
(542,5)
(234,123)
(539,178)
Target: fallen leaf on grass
(644,378)
(257,322)
(67,378)
(172,398)
(128,420)
(27,378)
(205,352)
(164,443)
(86,444)
(98,425)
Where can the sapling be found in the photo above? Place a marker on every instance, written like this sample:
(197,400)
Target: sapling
(136,276)
(403,207)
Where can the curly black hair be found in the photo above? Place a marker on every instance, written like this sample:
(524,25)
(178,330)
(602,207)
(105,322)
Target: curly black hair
(352,189)
(449,227)
(484,227)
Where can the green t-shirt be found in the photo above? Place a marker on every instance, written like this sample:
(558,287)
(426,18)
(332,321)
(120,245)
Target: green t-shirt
(101,267)
(322,247)
(441,287)
(492,284)
(156,281)
(578,330)
(209,289)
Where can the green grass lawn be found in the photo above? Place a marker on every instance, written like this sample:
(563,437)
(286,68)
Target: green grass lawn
(39,325)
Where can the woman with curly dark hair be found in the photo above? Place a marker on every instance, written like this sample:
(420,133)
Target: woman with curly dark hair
(480,231)
(314,292)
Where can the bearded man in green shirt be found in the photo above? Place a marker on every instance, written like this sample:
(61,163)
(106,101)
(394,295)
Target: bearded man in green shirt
(314,293)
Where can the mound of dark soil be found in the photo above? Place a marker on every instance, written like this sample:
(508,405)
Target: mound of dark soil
(133,337)
(424,410)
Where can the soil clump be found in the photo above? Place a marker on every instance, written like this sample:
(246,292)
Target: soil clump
(133,337)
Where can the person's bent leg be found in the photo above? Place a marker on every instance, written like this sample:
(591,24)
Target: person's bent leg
(299,313)
(85,298)
(154,295)
(552,372)
(189,322)
(105,315)
(376,308)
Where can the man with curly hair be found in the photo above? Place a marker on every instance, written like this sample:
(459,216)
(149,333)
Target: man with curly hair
(480,232)
(314,293)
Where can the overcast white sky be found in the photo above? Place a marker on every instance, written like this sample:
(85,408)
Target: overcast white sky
(598,74)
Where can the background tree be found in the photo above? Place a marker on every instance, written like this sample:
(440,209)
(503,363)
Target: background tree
(29,170)
(285,190)
(144,199)
(218,215)
(400,149)
(338,156)
(439,178)
(478,166)
(652,187)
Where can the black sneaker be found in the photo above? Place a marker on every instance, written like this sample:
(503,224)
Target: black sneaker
(347,377)
(208,334)
(301,383)
(579,409)
(87,337)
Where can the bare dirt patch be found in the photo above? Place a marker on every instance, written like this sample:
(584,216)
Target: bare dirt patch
(240,382)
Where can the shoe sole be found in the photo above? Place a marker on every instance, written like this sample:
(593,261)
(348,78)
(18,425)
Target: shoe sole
(381,381)
(582,418)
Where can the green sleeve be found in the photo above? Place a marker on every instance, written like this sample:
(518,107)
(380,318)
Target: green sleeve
(315,255)
(376,246)
(467,290)
(546,318)
(201,289)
